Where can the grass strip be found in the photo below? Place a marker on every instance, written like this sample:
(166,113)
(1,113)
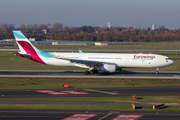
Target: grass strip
(64,106)
(142,46)
(96,107)
(56,83)
(124,99)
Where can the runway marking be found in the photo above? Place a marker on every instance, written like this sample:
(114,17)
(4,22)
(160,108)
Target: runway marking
(127,117)
(61,92)
(105,116)
(101,91)
(80,117)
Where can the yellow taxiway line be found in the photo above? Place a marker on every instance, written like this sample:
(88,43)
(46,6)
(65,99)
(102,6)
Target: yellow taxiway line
(101,91)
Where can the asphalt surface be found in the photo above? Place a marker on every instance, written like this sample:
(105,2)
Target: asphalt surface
(103,92)
(81,74)
(85,115)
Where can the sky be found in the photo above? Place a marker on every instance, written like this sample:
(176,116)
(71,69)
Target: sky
(77,13)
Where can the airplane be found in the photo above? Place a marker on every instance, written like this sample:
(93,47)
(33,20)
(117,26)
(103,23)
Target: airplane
(104,62)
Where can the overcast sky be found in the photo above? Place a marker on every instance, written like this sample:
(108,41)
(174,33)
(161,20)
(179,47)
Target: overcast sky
(77,13)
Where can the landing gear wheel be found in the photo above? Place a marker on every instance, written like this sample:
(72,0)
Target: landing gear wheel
(87,72)
(91,72)
(157,71)
(95,71)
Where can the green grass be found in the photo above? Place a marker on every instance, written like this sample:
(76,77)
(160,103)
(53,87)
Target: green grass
(98,107)
(60,106)
(144,46)
(66,107)
(56,83)
(115,99)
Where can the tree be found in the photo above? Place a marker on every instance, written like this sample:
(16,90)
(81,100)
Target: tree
(4,26)
(87,37)
(42,26)
(35,26)
(11,26)
(108,37)
(100,37)
(57,26)
(135,31)
(69,36)
(22,27)
(59,36)
(131,39)
(29,27)
(75,37)
(52,36)
(178,33)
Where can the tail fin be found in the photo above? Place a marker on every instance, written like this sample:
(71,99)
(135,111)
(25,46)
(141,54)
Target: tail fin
(27,48)
(24,44)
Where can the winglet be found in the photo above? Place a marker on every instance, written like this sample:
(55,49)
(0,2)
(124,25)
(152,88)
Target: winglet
(80,51)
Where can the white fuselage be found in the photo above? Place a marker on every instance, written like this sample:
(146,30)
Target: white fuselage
(122,60)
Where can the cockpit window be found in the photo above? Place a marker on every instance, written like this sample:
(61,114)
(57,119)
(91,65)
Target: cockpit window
(168,58)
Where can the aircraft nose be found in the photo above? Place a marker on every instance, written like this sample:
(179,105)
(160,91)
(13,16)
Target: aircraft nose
(172,62)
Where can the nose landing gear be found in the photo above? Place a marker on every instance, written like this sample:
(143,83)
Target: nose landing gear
(157,71)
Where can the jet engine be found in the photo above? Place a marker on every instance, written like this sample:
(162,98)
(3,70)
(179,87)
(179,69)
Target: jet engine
(107,68)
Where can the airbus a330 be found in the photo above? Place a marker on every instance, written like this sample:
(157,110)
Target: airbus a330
(94,62)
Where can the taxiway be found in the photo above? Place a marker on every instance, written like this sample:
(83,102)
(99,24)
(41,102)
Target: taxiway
(81,74)
(85,115)
(98,92)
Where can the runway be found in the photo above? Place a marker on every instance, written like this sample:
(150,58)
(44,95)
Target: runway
(85,115)
(81,74)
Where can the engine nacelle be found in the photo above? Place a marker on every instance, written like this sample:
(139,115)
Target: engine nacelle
(107,68)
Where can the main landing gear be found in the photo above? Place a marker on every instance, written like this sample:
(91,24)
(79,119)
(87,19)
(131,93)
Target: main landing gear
(91,71)
(157,71)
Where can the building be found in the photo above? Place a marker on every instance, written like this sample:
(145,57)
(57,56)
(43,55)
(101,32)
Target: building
(100,44)
(44,31)
(153,27)
(34,39)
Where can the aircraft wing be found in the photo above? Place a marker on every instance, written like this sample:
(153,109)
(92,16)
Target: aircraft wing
(86,62)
